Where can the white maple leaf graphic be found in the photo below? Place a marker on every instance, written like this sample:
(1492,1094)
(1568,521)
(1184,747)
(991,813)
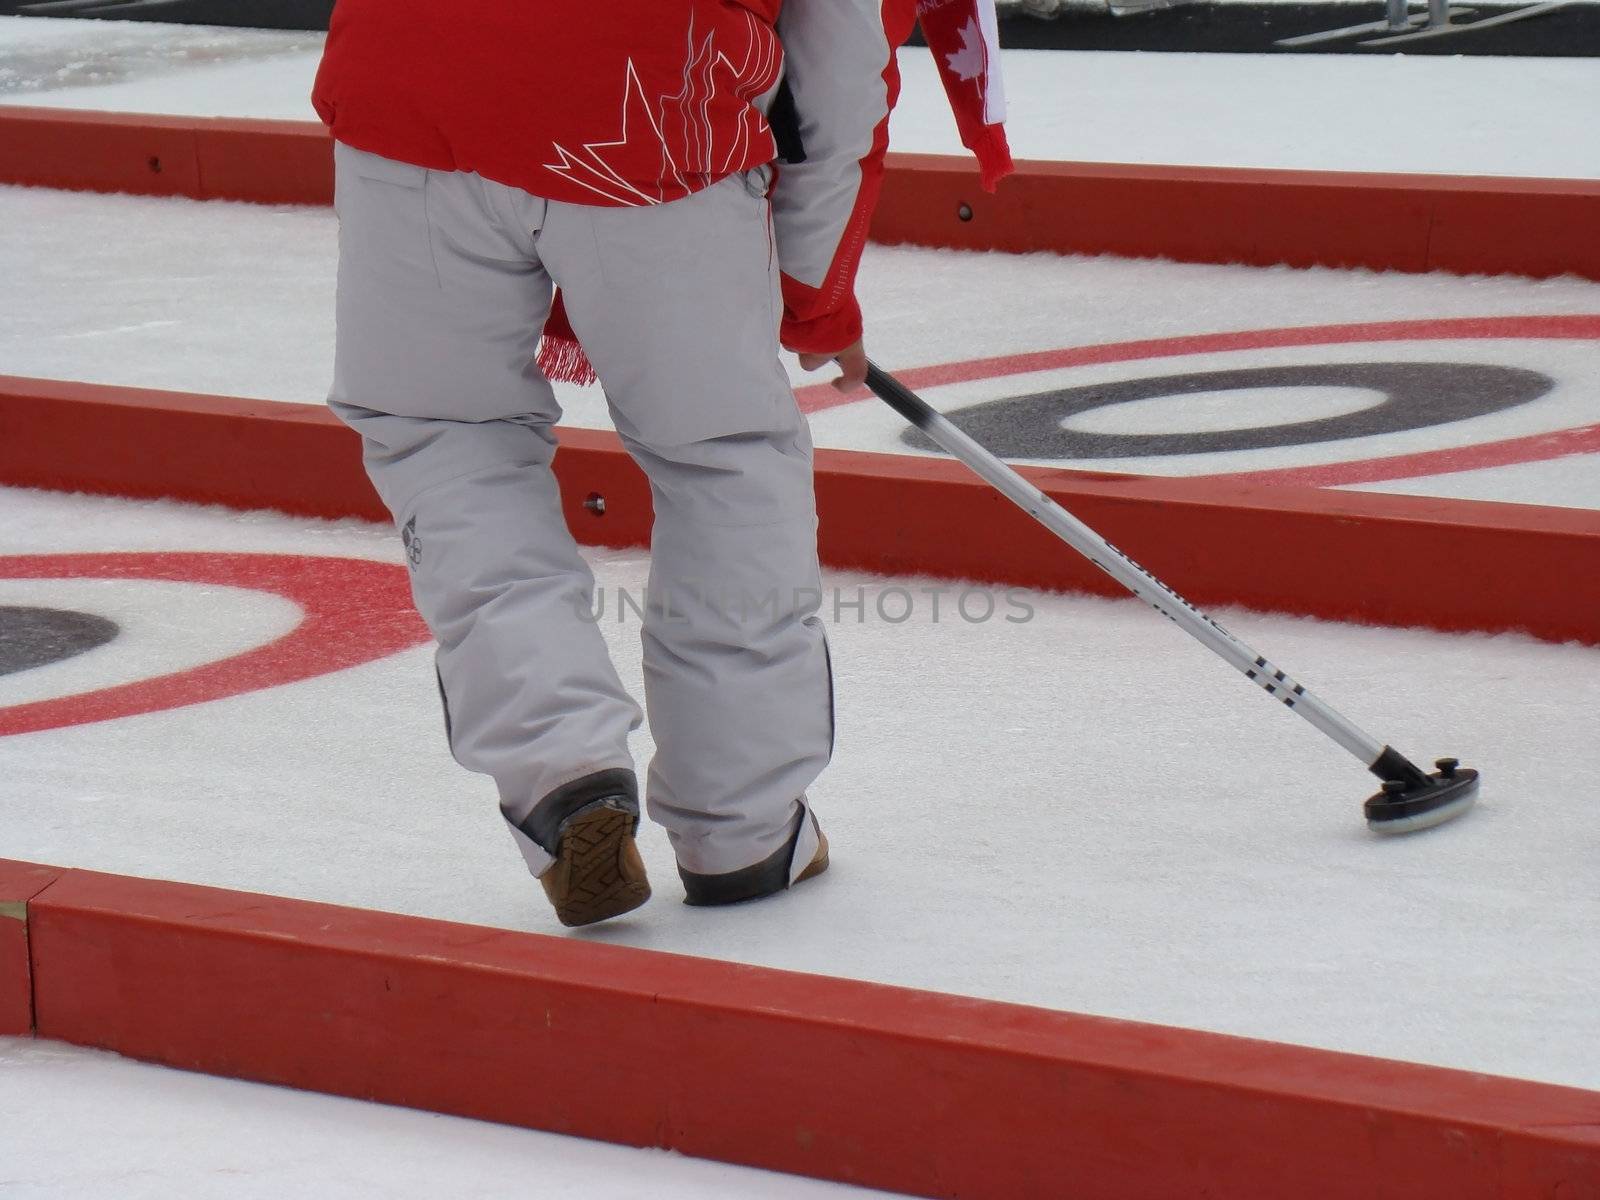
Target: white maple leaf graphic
(678,127)
(970,61)
(591,168)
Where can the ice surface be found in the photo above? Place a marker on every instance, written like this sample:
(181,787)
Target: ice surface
(81,1124)
(1085,811)
(210,297)
(145,66)
(1317,112)
(1476,116)
(238,299)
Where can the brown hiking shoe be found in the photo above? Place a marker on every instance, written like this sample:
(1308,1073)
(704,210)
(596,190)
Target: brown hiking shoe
(598,872)
(765,878)
(588,826)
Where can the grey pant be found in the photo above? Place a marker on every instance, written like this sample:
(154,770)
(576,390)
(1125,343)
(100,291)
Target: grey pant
(445,281)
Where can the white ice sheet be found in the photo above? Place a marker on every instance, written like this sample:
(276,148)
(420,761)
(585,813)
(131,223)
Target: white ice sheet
(1085,811)
(147,66)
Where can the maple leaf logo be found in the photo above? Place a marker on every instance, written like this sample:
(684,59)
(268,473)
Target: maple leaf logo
(591,167)
(679,128)
(971,61)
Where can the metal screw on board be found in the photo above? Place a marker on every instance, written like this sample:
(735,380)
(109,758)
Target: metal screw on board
(596,503)
(965,212)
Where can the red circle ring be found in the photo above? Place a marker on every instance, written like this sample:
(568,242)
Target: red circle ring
(1535,448)
(355,611)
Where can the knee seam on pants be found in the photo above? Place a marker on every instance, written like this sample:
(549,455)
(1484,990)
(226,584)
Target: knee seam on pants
(411,498)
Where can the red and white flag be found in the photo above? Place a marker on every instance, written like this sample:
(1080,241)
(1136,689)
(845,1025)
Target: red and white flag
(964,36)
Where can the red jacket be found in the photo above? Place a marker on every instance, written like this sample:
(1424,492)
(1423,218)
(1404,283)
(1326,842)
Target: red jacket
(632,102)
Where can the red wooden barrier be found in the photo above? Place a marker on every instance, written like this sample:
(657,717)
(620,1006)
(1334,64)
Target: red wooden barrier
(881,1086)
(1412,223)
(1332,554)
(1191,214)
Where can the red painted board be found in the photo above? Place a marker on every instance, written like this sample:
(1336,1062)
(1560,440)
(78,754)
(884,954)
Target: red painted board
(99,152)
(1463,224)
(1191,214)
(1314,552)
(205,158)
(1364,557)
(268,162)
(591,466)
(297,458)
(911,1091)
(20,883)
(1188,214)
(1538,227)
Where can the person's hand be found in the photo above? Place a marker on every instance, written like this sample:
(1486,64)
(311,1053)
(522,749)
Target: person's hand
(852,362)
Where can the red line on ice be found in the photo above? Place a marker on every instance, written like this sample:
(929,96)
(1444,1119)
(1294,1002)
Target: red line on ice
(355,611)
